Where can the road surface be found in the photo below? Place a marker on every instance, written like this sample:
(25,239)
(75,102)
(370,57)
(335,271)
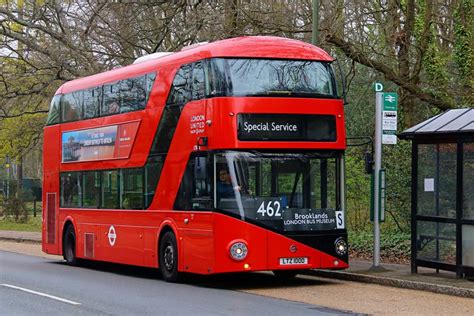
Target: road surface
(335,294)
(39,286)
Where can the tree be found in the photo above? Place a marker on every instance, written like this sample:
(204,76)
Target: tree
(424,47)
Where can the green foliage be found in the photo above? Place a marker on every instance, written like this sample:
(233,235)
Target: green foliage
(419,23)
(19,135)
(15,209)
(393,244)
(397,163)
(357,191)
(435,65)
(463,51)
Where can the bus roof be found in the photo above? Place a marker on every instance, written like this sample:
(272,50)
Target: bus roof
(240,47)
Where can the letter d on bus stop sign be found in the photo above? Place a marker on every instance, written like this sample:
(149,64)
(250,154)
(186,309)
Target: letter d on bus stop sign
(378,87)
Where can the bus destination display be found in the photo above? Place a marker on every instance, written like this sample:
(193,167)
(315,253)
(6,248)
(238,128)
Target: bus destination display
(286,127)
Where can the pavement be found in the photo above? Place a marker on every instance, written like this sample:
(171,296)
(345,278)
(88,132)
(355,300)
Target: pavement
(395,275)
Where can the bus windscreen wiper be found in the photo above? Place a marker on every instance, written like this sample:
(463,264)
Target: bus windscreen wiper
(279,92)
(305,94)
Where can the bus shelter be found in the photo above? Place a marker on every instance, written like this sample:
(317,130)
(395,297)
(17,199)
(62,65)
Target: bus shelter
(442,194)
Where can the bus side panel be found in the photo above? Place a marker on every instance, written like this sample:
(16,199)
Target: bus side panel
(87,245)
(50,215)
(122,244)
(150,253)
(197,241)
(129,239)
(228,230)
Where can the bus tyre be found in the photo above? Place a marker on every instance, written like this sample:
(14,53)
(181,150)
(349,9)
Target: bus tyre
(169,257)
(285,274)
(69,246)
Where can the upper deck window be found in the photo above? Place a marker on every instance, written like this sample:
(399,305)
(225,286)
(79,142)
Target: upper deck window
(126,95)
(71,106)
(54,114)
(271,77)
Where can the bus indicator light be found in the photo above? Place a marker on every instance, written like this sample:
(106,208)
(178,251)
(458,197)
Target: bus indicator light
(341,246)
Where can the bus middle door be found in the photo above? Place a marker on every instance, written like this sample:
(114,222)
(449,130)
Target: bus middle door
(196,220)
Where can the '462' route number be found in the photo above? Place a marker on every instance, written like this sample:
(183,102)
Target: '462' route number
(270,209)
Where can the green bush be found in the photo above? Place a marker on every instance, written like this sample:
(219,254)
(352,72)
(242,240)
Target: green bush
(393,244)
(15,209)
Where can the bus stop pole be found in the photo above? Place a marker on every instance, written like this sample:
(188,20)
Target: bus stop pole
(377,167)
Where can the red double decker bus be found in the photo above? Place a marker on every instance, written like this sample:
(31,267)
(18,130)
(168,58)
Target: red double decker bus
(223,157)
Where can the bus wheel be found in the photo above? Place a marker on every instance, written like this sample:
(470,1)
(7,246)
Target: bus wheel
(285,274)
(69,246)
(169,257)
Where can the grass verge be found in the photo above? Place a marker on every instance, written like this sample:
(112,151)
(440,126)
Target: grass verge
(33,224)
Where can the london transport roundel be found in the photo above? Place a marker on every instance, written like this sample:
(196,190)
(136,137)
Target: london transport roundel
(112,235)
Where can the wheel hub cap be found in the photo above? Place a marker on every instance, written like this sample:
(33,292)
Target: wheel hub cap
(169,258)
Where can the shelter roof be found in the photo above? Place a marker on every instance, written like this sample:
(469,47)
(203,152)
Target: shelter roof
(456,121)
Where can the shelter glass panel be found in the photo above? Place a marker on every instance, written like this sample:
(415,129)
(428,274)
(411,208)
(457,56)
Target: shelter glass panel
(426,179)
(468,182)
(437,180)
(468,245)
(447,180)
(436,242)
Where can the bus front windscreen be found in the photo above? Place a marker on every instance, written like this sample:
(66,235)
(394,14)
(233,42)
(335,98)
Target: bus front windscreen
(284,192)
(271,77)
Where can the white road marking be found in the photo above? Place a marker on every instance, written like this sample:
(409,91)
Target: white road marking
(41,294)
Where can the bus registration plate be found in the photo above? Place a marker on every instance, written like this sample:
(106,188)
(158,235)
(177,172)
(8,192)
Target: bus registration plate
(293,261)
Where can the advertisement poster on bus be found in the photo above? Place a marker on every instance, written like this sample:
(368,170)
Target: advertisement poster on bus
(109,142)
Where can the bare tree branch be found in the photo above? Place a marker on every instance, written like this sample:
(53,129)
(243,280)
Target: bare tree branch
(352,52)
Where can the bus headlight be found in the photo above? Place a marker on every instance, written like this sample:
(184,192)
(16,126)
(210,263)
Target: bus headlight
(238,250)
(341,246)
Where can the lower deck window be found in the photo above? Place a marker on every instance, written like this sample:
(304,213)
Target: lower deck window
(71,189)
(107,189)
(91,180)
(110,189)
(132,188)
